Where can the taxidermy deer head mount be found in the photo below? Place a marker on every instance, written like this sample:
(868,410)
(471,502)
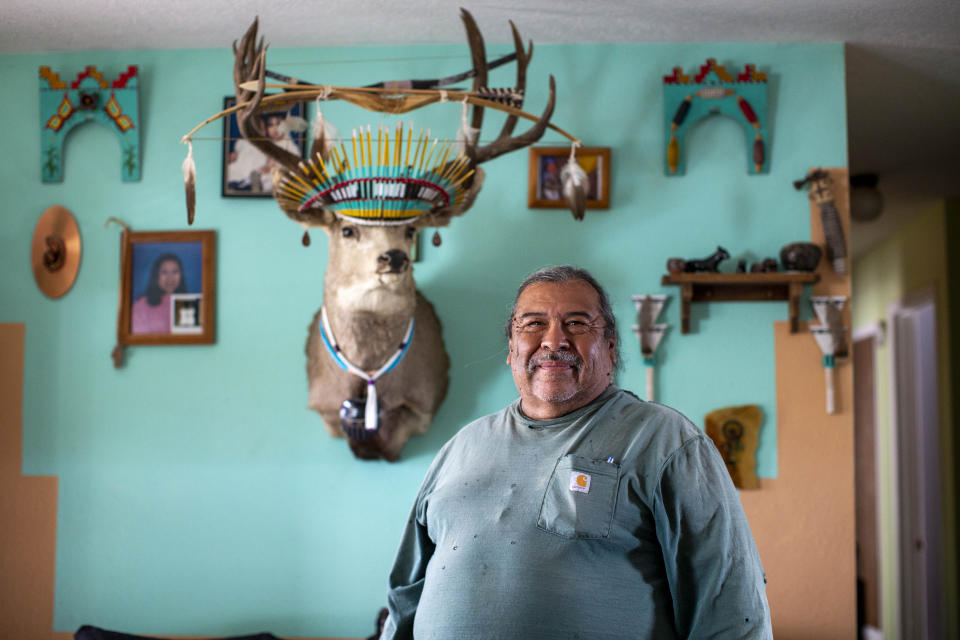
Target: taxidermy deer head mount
(376,362)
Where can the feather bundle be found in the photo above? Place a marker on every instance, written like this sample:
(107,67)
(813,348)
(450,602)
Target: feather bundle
(575,184)
(323,132)
(190,182)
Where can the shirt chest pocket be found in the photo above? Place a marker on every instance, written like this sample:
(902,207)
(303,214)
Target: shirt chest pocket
(580,498)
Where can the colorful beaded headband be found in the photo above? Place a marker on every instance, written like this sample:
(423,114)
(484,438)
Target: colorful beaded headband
(385,182)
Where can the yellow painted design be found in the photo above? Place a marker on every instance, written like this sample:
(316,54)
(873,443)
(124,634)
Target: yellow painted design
(113,109)
(63,112)
(52,78)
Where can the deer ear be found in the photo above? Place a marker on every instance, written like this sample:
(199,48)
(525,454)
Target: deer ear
(309,218)
(442,217)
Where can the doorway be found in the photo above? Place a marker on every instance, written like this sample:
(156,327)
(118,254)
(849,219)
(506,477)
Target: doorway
(866,480)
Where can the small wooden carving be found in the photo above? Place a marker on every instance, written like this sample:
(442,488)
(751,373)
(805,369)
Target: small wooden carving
(735,431)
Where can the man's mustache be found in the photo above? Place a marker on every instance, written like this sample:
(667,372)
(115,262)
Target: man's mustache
(557,356)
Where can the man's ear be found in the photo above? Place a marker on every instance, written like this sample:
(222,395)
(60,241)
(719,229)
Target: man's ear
(509,350)
(612,345)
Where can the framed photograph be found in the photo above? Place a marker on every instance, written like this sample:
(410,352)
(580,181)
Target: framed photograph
(167,288)
(246,169)
(546,163)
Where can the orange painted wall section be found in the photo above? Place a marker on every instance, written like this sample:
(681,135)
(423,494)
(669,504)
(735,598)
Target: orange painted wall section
(28,513)
(803,520)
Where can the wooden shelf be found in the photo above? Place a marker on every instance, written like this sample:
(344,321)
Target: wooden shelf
(739,287)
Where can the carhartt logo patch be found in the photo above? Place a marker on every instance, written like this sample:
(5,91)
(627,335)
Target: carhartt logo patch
(579,482)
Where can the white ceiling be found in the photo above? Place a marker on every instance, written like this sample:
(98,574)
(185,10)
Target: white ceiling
(903,56)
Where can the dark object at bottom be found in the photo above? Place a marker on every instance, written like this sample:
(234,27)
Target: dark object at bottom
(381,620)
(352,413)
(769,265)
(87,632)
(800,256)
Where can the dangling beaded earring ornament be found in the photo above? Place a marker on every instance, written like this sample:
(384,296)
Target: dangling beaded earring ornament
(305,240)
(437,240)
(574,180)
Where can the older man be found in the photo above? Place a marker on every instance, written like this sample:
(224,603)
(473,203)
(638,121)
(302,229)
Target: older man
(579,511)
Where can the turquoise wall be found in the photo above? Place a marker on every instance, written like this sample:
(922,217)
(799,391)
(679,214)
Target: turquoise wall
(198,495)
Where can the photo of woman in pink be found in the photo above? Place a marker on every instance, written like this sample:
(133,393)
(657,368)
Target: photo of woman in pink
(151,311)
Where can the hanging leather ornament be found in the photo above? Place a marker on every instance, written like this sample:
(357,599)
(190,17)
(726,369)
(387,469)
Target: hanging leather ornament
(306,239)
(437,240)
(55,251)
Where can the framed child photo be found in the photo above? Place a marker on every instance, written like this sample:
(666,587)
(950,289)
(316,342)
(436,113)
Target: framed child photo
(167,288)
(246,169)
(545,187)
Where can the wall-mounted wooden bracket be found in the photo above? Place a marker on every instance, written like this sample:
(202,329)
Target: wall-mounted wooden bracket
(739,287)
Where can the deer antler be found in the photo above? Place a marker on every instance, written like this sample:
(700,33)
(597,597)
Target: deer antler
(249,64)
(505,142)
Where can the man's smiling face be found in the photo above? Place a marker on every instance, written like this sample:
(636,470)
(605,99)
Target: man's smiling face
(558,353)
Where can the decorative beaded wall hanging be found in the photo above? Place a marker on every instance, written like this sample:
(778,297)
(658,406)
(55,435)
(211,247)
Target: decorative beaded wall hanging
(688,99)
(63,106)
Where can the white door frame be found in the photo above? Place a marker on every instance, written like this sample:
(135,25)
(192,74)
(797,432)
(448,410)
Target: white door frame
(915,602)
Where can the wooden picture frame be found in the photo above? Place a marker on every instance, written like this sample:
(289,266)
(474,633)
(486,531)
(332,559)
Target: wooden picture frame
(544,187)
(246,170)
(167,288)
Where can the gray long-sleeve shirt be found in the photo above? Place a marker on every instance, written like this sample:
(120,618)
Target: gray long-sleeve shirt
(618,520)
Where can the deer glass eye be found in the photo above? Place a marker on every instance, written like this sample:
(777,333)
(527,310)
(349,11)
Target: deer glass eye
(349,232)
(411,232)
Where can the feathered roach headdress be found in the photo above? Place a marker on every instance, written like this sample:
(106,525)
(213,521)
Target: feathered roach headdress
(386,182)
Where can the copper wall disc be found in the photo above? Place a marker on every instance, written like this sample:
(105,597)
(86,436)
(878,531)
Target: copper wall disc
(55,253)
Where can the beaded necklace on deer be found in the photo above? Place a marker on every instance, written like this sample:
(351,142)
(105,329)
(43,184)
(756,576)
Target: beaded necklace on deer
(370,412)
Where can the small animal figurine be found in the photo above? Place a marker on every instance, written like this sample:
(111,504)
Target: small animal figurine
(709,264)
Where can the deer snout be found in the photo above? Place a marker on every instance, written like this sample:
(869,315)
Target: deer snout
(393,260)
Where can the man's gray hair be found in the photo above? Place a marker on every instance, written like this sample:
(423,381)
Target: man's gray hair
(568,273)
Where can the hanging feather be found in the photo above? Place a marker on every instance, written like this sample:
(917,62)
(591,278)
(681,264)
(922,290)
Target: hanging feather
(575,182)
(437,240)
(323,130)
(306,239)
(190,182)
(466,135)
